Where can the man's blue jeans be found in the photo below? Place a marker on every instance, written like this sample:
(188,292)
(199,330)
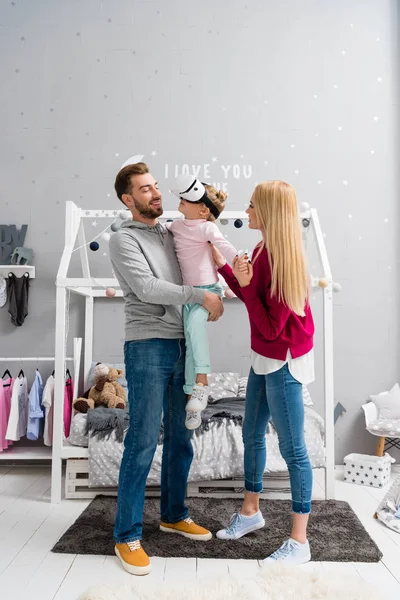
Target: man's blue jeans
(278,396)
(155,375)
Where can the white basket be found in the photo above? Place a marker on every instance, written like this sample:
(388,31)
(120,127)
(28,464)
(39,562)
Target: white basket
(368,470)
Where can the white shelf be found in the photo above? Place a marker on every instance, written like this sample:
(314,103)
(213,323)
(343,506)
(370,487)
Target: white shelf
(41,452)
(26,453)
(18,270)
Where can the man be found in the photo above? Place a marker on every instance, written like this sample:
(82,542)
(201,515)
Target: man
(144,261)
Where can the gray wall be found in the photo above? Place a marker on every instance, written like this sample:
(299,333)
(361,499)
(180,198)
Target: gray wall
(302,91)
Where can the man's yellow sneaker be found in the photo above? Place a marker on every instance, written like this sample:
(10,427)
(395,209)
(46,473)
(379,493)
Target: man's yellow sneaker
(133,558)
(188,529)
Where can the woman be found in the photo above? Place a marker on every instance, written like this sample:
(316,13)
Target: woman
(274,288)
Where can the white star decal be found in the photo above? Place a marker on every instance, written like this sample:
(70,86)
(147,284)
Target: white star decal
(292,145)
(108,195)
(296,172)
(343,52)
(104,253)
(87,213)
(350,216)
(360,237)
(379,79)
(241,156)
(375,119)
(214,159)
(372,151)
(265,162)
(386,220)
(319,182)
(335,86)
(390,267)
(378,39)
(117,154)
(94,223)
(317,134)
(345,182)
(340,128)
(154,153)
(315,96)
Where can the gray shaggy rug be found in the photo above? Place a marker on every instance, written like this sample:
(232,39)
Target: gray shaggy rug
(335,532)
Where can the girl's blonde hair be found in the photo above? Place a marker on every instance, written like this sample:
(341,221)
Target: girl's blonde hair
(217,197)
(277,213)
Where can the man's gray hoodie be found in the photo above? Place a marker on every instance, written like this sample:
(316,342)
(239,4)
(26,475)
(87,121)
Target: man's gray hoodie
(147,269)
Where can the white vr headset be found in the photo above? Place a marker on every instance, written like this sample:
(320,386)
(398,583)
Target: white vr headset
(189,188)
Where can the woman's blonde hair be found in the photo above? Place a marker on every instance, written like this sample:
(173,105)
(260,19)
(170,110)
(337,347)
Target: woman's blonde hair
(277,214)
(217,197)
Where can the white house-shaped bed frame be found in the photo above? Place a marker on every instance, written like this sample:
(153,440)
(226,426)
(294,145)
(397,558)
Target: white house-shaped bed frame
(92,288)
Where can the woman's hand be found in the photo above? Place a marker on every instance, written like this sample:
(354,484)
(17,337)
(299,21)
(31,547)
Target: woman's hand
(242,270)
(217,256)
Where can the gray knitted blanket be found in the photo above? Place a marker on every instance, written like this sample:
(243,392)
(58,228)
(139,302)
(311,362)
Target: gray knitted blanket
(102,421)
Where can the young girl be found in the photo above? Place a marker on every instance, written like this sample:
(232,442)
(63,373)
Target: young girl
(274,288)
(201,205)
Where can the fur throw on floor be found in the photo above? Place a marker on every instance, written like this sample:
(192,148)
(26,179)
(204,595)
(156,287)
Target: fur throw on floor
(272,583)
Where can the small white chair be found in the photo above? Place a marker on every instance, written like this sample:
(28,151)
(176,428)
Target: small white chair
(388,431)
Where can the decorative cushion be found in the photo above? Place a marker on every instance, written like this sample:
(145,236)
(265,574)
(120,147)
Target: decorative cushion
(385,428)
(223,385)
(388,403)
(242,386)
(307,400)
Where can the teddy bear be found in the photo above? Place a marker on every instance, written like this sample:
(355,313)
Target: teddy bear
(105,392)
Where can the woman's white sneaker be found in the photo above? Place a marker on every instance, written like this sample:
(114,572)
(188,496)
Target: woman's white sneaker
(291,552)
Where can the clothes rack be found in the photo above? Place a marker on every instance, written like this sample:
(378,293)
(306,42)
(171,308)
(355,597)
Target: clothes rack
(31,358)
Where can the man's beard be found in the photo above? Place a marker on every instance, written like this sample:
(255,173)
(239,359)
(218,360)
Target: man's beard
(148,211)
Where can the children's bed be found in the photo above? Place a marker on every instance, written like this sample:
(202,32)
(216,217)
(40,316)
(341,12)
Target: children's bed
(218,447)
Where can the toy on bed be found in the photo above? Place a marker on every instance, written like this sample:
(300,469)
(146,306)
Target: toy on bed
(105,392)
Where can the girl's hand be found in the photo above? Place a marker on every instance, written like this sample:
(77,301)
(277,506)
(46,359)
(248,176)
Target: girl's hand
(243,271)
(217,256)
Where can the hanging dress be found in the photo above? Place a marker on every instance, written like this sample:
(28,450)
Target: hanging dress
(18,419)
(35,414)
(18,293)
(48,405)
(6,386)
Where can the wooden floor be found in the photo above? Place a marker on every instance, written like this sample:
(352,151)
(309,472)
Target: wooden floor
(30,525)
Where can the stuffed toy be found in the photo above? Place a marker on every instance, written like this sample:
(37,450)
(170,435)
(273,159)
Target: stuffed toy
(105,392)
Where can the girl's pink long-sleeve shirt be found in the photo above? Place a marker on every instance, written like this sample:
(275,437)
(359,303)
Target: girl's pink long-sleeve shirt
(191,238)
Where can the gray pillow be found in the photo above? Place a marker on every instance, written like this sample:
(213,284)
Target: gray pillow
(223,385)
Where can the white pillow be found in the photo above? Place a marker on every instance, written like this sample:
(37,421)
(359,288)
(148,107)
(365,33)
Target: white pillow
(307,400)
(388,403)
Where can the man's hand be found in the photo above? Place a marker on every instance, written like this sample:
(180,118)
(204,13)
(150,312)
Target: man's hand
(213,303)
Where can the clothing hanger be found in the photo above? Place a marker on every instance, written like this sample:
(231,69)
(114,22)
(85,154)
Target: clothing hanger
(68,374)
(53,373)
(21,373)
(6,372)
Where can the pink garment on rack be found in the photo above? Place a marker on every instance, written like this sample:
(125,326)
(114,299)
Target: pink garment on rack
(6,386)
(68,394)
